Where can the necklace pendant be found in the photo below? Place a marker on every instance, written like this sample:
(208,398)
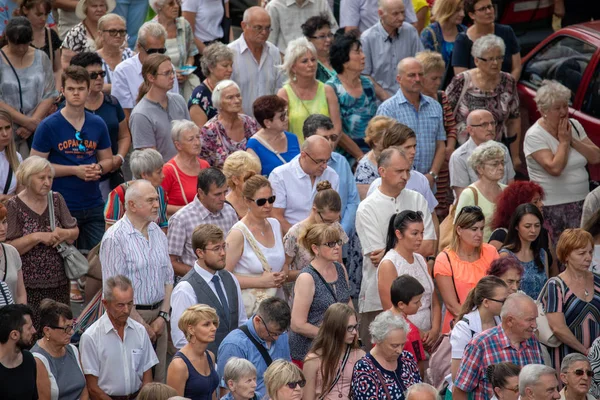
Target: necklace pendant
(340,395)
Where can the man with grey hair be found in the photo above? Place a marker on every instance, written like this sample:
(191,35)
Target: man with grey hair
(576,375)
(295,183)
(136,247)
(256,61)
(512,341)
(127,76)
(538,382)
(116,353)
(372,221)
(422,391)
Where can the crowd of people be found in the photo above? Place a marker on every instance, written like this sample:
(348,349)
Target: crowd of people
(323,208)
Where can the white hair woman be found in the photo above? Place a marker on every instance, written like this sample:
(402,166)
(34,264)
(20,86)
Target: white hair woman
(557,151)
(240,377)
(112,31)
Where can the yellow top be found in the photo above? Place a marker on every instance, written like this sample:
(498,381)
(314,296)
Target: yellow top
(417,5)
(299,110)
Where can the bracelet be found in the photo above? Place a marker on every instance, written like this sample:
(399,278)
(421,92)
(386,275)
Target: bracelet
(121,157)
(101,169)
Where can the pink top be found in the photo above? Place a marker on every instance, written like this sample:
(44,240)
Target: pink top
(342,387)
(172,187)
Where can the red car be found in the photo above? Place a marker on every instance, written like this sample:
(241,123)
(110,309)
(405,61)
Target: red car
(570,56)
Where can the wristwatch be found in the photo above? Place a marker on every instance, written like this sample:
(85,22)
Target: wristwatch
(434,175)
(164,315)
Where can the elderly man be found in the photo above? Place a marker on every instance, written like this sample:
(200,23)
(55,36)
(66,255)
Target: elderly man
(362,14)
(387,43)
(576,375)
(372,221)
(261,340)
(116,353)
(512,341)
(422,391)
(481,127)
(295,183)
(208,207)
(127,76)
(136,247)
(209,283)
(420,113)
(538,382)
(256,61)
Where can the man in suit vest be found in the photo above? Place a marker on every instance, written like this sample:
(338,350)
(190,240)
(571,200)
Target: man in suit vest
(208,283)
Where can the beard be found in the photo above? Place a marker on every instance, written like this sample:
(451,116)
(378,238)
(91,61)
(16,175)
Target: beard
(215,266)
(25,345)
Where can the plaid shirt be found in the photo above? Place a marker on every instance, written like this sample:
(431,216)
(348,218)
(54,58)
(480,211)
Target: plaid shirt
(492,347)
(427,122)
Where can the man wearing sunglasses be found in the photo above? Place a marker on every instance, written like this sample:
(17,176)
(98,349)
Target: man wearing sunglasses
(576,375)
(538,382)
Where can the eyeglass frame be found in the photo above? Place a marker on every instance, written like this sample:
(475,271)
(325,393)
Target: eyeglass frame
(264,200)
(161,50)
(485,125)
(469,209)
(514,390)
(353,328)
(333,243)
(320,162)
(496,300)
(581,372)
(485,8)
(339,219)
(324,37)
(66,329)
(293,385)
(271,334)
(101,74)
(218,249)
(260,29)
(116,32)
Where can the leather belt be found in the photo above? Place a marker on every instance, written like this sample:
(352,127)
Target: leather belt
(128,397)
(144,307)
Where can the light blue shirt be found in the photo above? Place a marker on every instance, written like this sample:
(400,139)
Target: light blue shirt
(347,191)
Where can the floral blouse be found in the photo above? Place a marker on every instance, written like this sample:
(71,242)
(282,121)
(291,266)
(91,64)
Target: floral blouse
(366,172)
(78,41)
(367,384)
(217,145)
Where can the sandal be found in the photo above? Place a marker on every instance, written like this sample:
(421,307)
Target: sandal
(75,295)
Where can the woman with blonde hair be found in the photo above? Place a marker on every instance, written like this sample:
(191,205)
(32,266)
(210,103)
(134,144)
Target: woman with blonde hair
(192,372)
(239,166)
(440,35)
(9,158)
(112,32)
(156,391)
(284,381)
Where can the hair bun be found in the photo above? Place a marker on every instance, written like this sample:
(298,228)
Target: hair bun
(323,185)
(248,175)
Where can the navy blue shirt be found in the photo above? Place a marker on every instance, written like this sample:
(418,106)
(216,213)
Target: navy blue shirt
(56,136)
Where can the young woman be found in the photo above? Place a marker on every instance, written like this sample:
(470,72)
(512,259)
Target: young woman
(9,158)
(504,378)
(329,364)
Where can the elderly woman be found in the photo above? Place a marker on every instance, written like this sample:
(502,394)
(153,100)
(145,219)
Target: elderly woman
(217,65)
(11,273)
(573,294)
(240,377)
(487,160)
(509,270)
(192,372)
(576,375)
(29,233)
(504,378)
(229,130)
(386,371)
(27,91)
(181,172)
(238,167)
(273,145)
(557,151)
(482,13)
(59,373)
(112,30)
(9,158)
(82,37)
(180,42)
(284,381)
(487,87)
(317,30)
(441,35)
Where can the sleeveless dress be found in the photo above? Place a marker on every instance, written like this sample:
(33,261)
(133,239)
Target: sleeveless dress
(65,374)
(533,279)
(198,386)
(299,110)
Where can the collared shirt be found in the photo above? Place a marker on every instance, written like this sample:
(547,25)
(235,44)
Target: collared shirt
(427,122)
(125,251)
(363,13)
(383,52)
(255,78)
(492,347)
(183,296)
(347,191)
(118,364)
(294,191)
(237,344)
(417,182)
(126,81)
(184,221)
(287,17)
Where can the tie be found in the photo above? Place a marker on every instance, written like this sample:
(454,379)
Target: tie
(217,282)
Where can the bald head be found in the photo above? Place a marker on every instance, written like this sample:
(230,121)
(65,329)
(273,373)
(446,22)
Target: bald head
(476,116)
(254,12)
(408,63)
(385,4)
(314,142)
(516,305)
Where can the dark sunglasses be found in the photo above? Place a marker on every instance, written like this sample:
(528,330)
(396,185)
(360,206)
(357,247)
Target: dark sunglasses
(263,201)
(116,32)
(334,243)
(95,75)
(496,301)
(293,385)
(161,50)
(580,372)
(470,209)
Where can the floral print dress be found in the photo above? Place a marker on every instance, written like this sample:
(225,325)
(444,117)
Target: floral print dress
(217,145)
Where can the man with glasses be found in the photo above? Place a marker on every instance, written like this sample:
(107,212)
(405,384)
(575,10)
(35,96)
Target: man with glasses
(136,243)
(208,282)
(295,183)
(261,340)
(576,375)
(481,127)
(256,67)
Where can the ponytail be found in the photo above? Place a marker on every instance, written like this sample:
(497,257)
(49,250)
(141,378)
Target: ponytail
(484,290)
(399,222)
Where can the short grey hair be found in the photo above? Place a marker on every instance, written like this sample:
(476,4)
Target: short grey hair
(485,152)
(511,304)
(214,54)
(218,91)
(151,29)
(296,49)
(405,61)
(108,17)
(145,161)
(487,43)
(384,323)
(156,5)
(30,166)
(178,126)
(570,359)
(118,281)
(237,368)
(384,157)
(550,93)
(133,192)
(418,388)
(531,374)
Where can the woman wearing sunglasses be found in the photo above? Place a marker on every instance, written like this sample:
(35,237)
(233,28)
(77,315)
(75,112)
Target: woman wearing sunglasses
(112,32)
(255,246)
(504,378)
(576,375)
(284,381)
(320,284)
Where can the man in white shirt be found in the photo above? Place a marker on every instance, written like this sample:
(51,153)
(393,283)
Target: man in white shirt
(372,221)
(116,353)
(136,244)
(208,283)
(295,183)
(256,64)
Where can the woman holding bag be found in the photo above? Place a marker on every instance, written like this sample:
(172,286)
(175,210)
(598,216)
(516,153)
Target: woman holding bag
(255,252)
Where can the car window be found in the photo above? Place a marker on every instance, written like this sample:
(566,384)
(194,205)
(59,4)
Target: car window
(564,59)
(591,101)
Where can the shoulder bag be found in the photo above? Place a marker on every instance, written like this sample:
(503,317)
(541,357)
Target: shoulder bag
(261,349)
(8,179)
(338,374)
(380,377)
(545,334)
(271,149)
(463,91)
(180,184)
(76,265)
(327,285)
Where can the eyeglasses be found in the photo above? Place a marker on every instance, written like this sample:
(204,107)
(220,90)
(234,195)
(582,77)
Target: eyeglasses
(271,334)
(492,59)
(283,116)
(485,8)
(161,50)
(515,389)
(318,162)
(580,372)
(218,249)
(327,221)
(293,385)
(116,32)
(67,328)
(166,73)
(81,147)
(332,138)
(259,28)
(496,301)
(261,202)
(352,328)
(95,75)
(334,243)
(323,37)
(495,164)
(486,125)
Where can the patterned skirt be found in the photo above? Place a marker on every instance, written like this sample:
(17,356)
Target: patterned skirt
(35,297)
(561,217)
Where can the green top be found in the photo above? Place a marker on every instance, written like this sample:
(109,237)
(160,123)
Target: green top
(299,110)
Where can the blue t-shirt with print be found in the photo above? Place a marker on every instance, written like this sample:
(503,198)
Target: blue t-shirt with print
(56,136)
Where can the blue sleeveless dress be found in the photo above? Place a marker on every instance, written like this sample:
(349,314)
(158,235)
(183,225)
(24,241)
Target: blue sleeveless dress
(199,387)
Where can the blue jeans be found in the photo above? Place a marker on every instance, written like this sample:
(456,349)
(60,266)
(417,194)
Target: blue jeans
(91,227)
(134,12)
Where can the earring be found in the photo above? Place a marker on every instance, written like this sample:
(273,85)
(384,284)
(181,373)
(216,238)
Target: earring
(294,78)
(47,338)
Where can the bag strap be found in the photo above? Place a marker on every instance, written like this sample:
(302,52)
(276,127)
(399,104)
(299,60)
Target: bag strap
(338,375)
(475,195)
(18,80)
(8,179)
(463,91)
(327,285)
(180,184)
(252,242)
(381,378)
(5,291)
(5,262)
(574,127)
(51,210)
(50,48)
(271,149)
(452,276)
(261,349)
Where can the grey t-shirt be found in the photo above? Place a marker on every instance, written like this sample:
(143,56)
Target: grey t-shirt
(66,377)
(150,124)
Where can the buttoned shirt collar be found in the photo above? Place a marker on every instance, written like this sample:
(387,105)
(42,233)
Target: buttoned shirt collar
(204,274)
(297,168)
(129,229)
(401,99)
(504,341)
(205,212)
(385,35)
(108,326)
(290,3)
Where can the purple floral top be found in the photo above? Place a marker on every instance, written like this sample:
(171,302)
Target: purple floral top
(217,145)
